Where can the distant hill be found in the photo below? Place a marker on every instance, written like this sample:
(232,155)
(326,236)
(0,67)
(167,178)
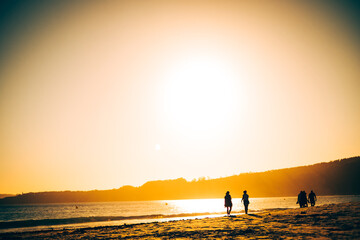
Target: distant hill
(340,177)
(6,195)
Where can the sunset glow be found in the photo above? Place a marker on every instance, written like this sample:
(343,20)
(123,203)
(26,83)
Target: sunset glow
(101,94)
(200,95)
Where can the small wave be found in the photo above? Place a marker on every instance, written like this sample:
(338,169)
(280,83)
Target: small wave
(64,221)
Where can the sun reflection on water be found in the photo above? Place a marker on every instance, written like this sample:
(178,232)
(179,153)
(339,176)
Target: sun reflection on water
(217,205)
(197,205)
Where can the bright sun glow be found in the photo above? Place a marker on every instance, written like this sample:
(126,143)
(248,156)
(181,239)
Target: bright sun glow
(136,91)
(198,205)
(200,94)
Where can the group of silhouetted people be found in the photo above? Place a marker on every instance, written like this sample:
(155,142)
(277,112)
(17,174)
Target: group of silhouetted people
(228,203)
(303,199)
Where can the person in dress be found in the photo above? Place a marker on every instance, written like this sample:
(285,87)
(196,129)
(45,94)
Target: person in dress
(302,199)
(228,203)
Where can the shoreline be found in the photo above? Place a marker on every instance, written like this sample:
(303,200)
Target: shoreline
(161,200)
(107,221)
(325,221)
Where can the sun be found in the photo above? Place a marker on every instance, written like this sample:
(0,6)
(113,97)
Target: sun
(200,94)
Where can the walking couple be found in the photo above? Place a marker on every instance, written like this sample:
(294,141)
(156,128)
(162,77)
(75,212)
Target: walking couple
(228,202)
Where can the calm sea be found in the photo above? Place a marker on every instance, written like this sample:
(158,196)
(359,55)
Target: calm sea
(17,218)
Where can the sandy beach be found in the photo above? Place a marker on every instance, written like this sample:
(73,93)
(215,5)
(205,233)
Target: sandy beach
(332,221)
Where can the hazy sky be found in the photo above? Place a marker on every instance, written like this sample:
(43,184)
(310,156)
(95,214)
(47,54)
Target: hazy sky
(97,95)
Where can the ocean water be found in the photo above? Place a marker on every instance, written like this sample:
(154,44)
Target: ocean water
(17,218)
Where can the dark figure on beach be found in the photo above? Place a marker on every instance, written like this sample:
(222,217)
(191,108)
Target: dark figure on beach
(312,198)
(228,203)
(245,199)
(302,199)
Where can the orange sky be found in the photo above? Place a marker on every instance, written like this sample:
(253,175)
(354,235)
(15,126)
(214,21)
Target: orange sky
(102,94)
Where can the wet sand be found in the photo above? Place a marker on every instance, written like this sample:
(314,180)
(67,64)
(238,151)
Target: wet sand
(332,221)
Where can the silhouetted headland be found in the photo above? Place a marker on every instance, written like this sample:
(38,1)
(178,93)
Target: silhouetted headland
(6,195)
(338,177)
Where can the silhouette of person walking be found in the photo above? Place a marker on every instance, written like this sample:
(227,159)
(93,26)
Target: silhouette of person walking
(299,199)
(312,198)
(302,199)
(245,199)
(228,203)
